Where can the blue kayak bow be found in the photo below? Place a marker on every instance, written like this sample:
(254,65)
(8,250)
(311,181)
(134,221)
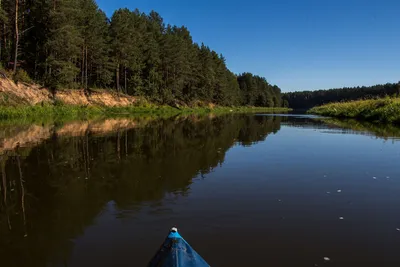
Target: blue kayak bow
(176,252)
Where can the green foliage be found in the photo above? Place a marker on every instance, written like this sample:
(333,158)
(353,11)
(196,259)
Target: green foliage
(72,44)
(48,111)
(309,99)
(382,110)
(256,91)
(22,76)
(60,111)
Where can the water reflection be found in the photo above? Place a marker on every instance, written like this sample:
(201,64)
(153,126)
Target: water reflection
(56,180)
(385,131)
(342,126)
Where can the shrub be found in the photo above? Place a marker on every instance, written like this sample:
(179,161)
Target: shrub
(22,76)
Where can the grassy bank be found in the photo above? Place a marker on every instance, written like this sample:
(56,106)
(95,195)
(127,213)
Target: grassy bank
(377,110)
(67,112)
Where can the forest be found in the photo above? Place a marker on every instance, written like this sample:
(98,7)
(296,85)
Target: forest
(309,99)
(73,44)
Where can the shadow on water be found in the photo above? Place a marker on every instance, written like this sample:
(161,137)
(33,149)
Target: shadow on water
(55,180)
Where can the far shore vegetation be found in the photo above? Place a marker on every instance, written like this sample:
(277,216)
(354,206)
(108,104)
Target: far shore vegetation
(383,110)
(310,99)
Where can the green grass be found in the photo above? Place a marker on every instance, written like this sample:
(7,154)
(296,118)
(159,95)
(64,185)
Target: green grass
(377,110)
(223,110)
(48,111)
(60,112)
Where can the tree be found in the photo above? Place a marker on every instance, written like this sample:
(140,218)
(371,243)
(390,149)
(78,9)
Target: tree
(63,44)
(152,58)
(16,35)
(94,62)
(72,44)
(308,99)
(121,34)
(257,91)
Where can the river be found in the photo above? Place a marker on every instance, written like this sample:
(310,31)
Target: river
(244,190)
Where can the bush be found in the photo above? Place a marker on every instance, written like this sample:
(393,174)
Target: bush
(22,76)
(380,110)
(143,103)
(5,72)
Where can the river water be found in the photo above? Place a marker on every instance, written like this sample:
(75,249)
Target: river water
(244,190)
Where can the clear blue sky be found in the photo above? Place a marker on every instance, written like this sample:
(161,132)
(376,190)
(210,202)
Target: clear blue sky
(296,44)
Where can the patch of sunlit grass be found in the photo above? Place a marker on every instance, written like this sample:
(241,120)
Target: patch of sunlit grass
(63,112)
(383,110)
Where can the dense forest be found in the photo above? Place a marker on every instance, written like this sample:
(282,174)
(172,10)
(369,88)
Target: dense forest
(308,99)
(73,44)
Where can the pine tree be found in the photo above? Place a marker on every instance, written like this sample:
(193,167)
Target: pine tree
(34,46)
(72,44)
(7,14)
(94,61)
(207,76)
(152,59)
(16,34)
(122,40)
(64,44)
(136,62)
(3,21)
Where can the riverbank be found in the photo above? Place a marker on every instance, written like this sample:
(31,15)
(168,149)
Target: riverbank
(67,112)
(20,101)
(385,110)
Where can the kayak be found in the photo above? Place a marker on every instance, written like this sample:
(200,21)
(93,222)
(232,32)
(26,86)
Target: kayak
(176,252)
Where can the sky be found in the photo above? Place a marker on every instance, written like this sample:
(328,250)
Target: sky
(295,44)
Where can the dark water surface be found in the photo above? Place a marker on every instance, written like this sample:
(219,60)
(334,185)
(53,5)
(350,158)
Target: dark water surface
(244,190)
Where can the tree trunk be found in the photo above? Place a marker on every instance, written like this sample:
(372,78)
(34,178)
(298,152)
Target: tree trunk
(16,37)
(1,40)
(86,69)
(126,92)
(36,62)
(117,78)
(82,67)
(4,37)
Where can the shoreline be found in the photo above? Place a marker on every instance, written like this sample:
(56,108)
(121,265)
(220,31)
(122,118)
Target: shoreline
(70,112)
(384,110)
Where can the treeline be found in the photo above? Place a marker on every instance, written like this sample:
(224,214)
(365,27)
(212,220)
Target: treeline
(73,44)
(256,91)
(309,99)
